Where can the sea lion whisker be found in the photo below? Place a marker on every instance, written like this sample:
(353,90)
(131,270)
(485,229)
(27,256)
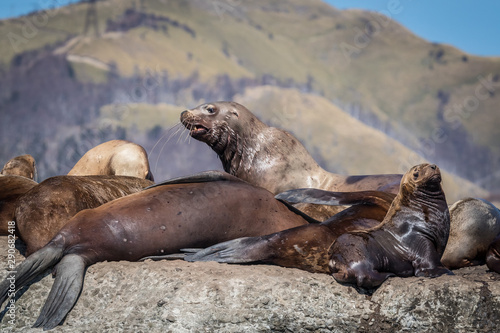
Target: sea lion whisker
(161,151)
(172,134)
(188,133)
(168,131)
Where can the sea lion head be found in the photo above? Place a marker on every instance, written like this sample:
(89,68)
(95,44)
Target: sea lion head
(424,178)
(23,165)
(224,126)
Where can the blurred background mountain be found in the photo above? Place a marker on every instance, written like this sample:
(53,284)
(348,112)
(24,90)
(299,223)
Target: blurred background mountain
(362,93)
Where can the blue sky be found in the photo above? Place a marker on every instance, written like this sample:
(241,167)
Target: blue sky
(472,26)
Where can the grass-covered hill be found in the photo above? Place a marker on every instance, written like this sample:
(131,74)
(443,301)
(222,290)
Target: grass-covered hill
(429,100)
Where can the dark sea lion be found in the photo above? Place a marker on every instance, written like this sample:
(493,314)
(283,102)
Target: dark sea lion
(115,157)
(409,241)
(47,207)
(269,157)
(493,255)
(474,224)
(23,165)
(11,188)
(155,221)
(304,247)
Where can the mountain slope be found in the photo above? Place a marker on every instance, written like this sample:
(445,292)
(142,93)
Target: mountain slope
(433,98)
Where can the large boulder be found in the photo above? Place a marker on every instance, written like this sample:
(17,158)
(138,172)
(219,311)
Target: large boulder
(177,296)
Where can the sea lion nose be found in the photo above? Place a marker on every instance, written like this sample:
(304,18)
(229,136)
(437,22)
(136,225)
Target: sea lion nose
(433,166)
(183,113)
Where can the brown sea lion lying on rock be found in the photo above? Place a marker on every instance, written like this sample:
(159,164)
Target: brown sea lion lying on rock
(409,241)
(115,157)
(304,247)
(269,157)
(159,220)
(47,207)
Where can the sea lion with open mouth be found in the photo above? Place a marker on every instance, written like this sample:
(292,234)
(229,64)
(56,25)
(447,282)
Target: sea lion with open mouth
(269,157)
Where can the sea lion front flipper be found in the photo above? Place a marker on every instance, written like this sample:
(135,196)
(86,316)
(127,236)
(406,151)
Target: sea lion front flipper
(236,251)
(202,177)
(64,293)
(322,197)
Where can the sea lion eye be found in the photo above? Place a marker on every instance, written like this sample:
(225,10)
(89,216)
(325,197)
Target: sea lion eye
(210,109)
(415,174)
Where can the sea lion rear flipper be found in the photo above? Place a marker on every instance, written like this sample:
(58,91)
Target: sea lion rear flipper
(202,177)
(322,197)
(493,257)
(236,251)
(64,293)
(30,268)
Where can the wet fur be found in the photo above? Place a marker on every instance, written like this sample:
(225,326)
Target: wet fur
(269,157)
(409,241)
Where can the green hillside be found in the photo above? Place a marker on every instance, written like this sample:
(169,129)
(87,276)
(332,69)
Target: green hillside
(434,98)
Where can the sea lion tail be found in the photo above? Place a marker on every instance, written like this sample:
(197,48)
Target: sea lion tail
(67,286)
(29,269)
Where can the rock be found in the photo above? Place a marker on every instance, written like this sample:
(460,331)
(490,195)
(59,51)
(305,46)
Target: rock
(177,296)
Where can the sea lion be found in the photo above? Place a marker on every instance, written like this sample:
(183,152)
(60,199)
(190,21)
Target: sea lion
(304,247)
(47,207)
(493,255)
(115,157)
(11,188)
(158,220)
(23,165)
(409,240)
(474,224)
(270,157)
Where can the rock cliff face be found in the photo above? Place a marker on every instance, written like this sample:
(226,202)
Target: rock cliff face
(177,296)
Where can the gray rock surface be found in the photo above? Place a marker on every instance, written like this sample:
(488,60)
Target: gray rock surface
(177,296)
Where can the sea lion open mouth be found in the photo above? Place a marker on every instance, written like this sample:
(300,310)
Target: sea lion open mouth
(197,130)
